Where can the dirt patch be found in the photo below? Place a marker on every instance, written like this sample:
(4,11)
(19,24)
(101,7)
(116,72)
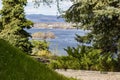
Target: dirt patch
(90,75)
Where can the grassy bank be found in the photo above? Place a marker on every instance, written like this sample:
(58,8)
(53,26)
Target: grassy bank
(16,65)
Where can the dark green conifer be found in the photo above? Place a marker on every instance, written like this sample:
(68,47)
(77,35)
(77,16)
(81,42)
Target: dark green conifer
(13,23)
(102,17)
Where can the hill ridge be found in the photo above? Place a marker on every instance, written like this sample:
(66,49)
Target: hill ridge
(44,18)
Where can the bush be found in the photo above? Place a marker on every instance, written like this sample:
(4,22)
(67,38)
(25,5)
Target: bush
(108,63)
(87,56)
(65,62)
(41,48)
(92,59)
(44,53)
(54,64)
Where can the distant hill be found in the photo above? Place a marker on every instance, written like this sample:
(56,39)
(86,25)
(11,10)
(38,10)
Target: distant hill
(44,18)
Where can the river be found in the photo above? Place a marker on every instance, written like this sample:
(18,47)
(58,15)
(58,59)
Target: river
(64,38)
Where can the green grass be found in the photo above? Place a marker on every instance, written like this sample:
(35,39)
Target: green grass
(16,65)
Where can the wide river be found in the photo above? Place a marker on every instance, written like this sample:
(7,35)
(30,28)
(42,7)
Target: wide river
(63,39)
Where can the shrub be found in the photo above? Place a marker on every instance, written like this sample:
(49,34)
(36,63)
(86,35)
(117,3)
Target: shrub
(39,45)
(108,63)
(40,48)
(92,59)
(65,62)
(44,53)
(86,56)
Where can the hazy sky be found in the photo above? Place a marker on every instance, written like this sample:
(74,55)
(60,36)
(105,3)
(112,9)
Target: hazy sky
(30,8)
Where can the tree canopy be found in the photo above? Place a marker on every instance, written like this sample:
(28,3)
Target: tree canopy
(13,23)
(102,18)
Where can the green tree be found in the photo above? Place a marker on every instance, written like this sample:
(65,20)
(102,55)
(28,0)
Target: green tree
(45,2)
(13,23)
(87,56)
(102,18)
(0,25)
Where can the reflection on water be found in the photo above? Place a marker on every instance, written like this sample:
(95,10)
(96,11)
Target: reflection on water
(63,39)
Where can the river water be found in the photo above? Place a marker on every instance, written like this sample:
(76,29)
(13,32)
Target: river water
(63,38)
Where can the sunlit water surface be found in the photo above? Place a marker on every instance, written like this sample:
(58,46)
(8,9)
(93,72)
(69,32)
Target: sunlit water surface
(63,38)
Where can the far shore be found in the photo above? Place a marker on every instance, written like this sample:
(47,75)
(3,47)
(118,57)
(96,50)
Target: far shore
(54,25)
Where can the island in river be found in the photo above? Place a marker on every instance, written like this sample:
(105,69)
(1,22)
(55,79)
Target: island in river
(63,33)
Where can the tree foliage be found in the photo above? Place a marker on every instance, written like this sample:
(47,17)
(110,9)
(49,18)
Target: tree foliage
(102,17)
(58,3)
(13,23)
(45,2)
(88,57)
(39,46)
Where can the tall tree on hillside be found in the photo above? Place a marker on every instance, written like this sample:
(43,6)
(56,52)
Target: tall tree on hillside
(102,17)
(13,23)
(0,25)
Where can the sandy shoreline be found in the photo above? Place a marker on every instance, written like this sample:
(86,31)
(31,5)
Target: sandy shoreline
(90,75)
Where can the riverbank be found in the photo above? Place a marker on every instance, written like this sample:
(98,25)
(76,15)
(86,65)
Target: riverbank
(90,75)
(54,25)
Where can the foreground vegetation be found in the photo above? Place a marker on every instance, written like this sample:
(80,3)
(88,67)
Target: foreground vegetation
(102,18)
(15,65)
(86,58)
(13,23)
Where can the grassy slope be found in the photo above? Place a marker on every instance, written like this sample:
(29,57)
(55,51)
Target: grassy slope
(15,65)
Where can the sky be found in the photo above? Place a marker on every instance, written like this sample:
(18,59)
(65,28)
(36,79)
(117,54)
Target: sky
(30,8)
